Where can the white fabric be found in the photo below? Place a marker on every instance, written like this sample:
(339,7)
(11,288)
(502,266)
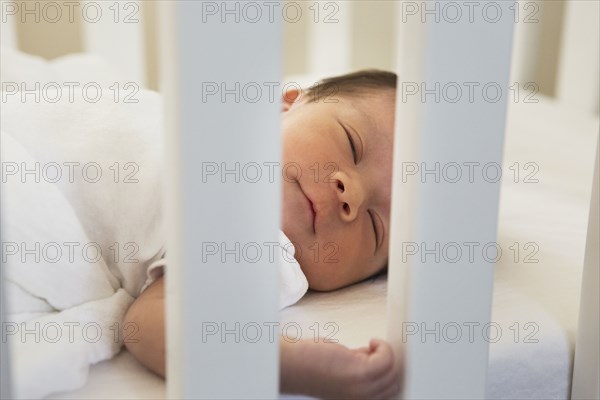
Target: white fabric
(121,211)
(37,221)
(118,212)
(62,305)
(292,281)
(26,69)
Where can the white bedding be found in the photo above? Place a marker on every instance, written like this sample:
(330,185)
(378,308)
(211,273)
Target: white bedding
(71,229)
(551,213)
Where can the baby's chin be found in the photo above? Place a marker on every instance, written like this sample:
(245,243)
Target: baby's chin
(321,285)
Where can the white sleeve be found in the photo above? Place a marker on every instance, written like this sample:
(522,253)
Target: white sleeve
(293,284)
(155,271)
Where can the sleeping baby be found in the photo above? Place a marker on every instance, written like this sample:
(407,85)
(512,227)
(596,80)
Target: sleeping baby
(340,134)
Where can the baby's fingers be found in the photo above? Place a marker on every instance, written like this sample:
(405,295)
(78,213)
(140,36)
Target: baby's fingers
(381,359)
(387,383)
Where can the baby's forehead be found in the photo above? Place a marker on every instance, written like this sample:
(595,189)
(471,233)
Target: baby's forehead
(371,113)
(372,105)
(377,111)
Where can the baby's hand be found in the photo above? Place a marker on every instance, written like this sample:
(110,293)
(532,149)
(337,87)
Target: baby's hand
(365,373)
(333,371)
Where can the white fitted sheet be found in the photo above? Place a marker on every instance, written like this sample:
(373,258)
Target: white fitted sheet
(551,213)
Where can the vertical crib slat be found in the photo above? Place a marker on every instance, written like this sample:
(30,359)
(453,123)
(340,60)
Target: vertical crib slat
(433,295)
(8,27)
(578,82)
(527,36)
(114,30)
(329,39)
(216,303)
(586,381)
(4,356)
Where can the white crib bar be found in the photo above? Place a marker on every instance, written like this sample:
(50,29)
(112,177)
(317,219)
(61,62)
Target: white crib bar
(117,35)
(578,80)
(208,294)
(8,29)
(586,372)
(329,39)
(423,293)
(527,36)
(4,356)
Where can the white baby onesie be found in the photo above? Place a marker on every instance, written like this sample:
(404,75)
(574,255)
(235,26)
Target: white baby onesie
(292,281)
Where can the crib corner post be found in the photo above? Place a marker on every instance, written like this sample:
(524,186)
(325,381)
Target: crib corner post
(586,370)
(4,355)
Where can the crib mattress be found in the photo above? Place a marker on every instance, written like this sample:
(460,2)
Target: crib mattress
(535,304)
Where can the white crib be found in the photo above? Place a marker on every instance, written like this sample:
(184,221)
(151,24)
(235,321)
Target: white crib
(425,43)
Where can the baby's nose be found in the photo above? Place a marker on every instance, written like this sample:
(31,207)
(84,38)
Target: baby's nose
(349,194)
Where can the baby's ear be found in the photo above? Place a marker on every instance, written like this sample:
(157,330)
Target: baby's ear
(289,97)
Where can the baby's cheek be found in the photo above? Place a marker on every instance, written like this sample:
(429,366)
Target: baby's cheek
(330,276)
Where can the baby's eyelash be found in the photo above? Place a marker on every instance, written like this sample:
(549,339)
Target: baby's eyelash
(352,146)
(374,230)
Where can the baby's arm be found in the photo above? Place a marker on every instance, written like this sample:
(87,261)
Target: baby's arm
(320,369)
(147,316)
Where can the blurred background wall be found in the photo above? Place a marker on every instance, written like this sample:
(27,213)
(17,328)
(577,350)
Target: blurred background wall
(323,38)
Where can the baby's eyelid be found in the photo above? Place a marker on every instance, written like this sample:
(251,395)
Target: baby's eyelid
(358,144)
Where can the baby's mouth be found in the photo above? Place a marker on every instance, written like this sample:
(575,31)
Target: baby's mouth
(314,212)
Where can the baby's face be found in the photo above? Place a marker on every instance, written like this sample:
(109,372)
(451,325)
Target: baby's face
(346,238)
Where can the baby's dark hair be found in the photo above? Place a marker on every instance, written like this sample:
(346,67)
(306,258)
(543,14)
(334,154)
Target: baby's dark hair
(360,82)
